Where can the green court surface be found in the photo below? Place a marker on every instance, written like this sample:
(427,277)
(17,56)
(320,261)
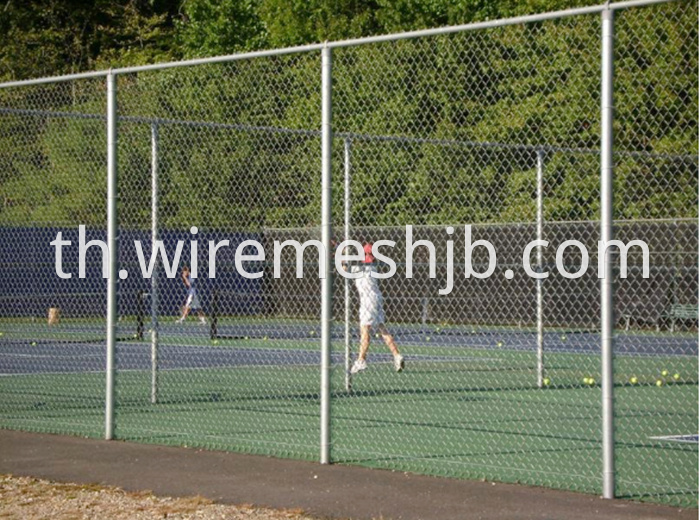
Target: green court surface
(457,410)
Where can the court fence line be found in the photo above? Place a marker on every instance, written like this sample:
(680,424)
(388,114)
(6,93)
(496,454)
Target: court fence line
(397,168)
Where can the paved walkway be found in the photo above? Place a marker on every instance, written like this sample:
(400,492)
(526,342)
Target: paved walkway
(327,491)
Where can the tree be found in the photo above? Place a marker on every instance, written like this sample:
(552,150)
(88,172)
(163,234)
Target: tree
(51,37)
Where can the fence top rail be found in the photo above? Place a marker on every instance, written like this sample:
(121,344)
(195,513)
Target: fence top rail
(488,24)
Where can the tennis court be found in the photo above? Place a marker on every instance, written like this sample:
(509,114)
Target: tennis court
(461,393)
(498,134)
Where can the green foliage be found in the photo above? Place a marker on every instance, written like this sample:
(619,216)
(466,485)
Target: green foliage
(212,27)
(46,37)
(522,86)
(58,180)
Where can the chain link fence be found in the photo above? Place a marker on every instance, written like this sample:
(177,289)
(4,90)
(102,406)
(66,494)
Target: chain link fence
(497,128)
(53,180)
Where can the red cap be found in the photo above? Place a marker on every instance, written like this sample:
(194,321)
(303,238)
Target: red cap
(369,257)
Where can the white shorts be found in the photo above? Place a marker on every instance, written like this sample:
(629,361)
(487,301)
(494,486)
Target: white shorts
(371,310)
(193,301)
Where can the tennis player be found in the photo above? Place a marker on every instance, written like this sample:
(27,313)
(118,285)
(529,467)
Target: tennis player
(371,313)
(192,302)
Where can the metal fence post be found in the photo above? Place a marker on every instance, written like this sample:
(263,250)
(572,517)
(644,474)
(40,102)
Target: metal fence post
(154,274)
(607,322)
(540,300)
(347,171)
(113,245)
(326,233)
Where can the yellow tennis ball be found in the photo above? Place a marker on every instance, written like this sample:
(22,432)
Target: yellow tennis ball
(33,343)
(500,343)
(563,337)
(546,381)
(591,381)
(664,373)
(427,338)
(265,338)
(659,382)
(676,376)
(634,380)
(585,380)
(377,335)
(216,342)
(312,332)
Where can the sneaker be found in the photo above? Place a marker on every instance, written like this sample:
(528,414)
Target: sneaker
(180,320)
(398,362)
(203,321)
(359,364)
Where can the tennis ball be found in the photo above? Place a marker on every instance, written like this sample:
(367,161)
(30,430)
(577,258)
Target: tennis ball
(659,382)
(312,332)
(676,376)
(664,373)
(2,333)
(546,381)
(591,381)
(377,335)
(634,380)
(500,343)
(33,343)
(437,329)
(427,338)
(247,337)
(135,336)
(563,337)
(265,338)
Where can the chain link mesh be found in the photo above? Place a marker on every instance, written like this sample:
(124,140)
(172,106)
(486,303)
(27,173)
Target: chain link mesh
(656,357)
(472,127)
(234,161)
(498,129)
(53,179)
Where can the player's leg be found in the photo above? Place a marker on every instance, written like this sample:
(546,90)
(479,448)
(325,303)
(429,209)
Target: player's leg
(185,312)
(196,305)
(186,309)
(365,335)
(361,361)
(378,317)
(389,340)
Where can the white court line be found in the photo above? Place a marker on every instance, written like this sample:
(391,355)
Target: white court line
(418,357)
(687,439)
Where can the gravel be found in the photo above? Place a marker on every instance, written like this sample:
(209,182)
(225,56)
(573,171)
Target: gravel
(30,498)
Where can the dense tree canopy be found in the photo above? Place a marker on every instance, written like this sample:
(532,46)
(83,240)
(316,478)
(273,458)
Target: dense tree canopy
(525,88)
(50,37)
